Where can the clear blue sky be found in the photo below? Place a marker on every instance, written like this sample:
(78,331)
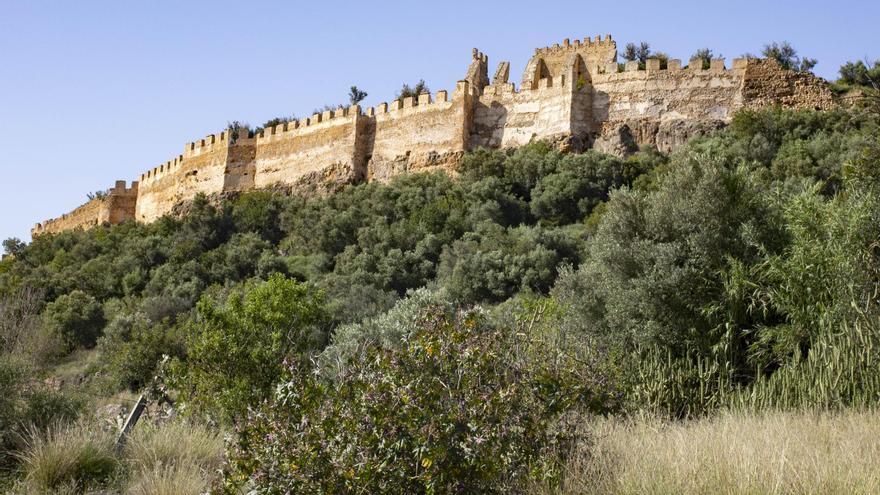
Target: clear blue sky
(94,91)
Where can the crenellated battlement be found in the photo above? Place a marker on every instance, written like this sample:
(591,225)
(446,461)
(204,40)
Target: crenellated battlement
(574,94)
(424,103)
(587,43)
(116,205)
(653,68)
(162,170)
(341,115)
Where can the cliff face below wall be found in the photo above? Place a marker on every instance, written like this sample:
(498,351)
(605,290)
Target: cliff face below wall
(574,95)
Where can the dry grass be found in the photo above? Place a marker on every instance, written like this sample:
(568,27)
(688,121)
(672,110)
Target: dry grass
(175,443)
(168,480)
(66,458)
(174,458)
(733,453)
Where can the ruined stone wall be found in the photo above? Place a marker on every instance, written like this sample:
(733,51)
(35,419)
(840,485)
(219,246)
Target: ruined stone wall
(120,203)
(240,166)
(766,83)
(419,135)
(116,207)
(326,148)
(663,107)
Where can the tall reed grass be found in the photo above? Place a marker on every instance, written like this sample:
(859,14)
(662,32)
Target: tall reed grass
(841,369)
(731,453)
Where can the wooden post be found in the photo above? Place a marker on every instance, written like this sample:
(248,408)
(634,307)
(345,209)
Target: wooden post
(132,420)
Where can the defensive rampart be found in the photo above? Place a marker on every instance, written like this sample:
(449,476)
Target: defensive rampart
(326,148)
(116,206)
(574,94)
(419,134)
(211,165)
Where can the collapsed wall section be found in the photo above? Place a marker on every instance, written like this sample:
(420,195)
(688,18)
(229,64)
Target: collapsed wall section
(117,206)
(412,134)
(766,83)
(663,107)
(326,149)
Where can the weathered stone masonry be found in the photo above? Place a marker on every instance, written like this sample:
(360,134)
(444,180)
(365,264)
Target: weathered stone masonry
(573,94)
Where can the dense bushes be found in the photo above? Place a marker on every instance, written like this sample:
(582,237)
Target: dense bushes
(236,347)
(653,266)
(76,319)
(740,271)
(460,407)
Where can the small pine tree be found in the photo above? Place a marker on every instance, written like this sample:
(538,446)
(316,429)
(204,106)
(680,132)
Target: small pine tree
(413,91)
(356,96)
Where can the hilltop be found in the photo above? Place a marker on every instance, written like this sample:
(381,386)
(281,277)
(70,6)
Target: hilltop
(575,95)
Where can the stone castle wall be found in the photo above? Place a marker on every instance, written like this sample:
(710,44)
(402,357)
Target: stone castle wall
(330,142)
(575,95)
(117,206)
(200,169)
(419,135)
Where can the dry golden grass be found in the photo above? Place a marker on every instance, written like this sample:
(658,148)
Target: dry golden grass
(66,458)
(175,443)
(174,458)
(732,453)
(168,480)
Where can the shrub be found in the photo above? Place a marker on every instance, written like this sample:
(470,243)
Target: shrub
(19,319)
(237,347)
(493,263)
(578,184)
(133,346)
(655,262)
(461,407)
(24,405)
(76,319)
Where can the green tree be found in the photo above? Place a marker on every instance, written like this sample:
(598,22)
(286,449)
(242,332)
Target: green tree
(493,263)
(705,55)
(237,347)
(860,74)
(654,265)
(788,57)
(578,184)
(77,319)
(356,96)
(275,121)
(413,91)
(13,246)
(640,53)
(238,130)
(133,346)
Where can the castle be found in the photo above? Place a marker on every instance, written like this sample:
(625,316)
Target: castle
(575,95)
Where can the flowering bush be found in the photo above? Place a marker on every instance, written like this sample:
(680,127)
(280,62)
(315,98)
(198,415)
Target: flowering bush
(462,407)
